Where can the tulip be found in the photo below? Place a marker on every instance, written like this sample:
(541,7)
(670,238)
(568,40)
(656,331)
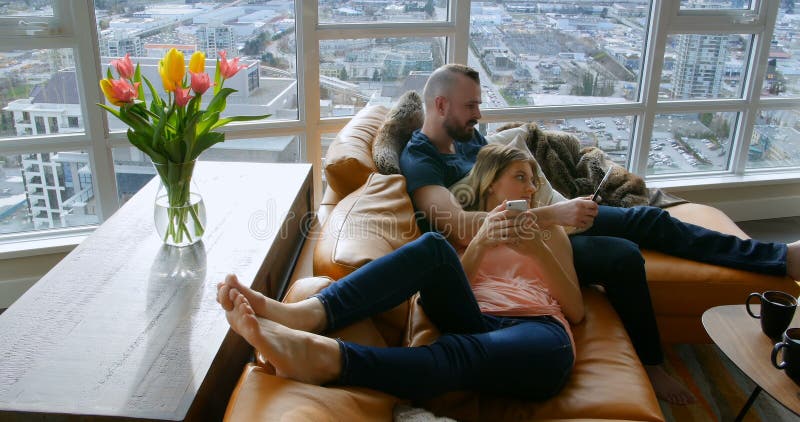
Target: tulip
(124,66)
(229,68)
(182,96)
(200,82)
(119,91)
(172,68)
(197,64)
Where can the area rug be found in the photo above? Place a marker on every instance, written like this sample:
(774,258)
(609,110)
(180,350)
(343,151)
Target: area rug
(721,388)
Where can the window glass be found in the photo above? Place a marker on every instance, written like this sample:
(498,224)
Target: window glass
(38,92)
(13,8)
(688,143)
(42,191)
(260,34)
(782,77)
(536,53)
(610,134)
(355,73)
(704,66)
(367,11)
(715,4)
(134,169)
(776,140)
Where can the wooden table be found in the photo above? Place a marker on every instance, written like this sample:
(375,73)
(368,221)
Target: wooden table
(739,336)
(125,328)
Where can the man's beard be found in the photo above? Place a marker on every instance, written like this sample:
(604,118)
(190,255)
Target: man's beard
(459,134)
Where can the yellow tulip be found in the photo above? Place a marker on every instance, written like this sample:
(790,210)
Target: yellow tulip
(197,64)
(172,68)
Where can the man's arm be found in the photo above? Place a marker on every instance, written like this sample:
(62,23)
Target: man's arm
(445,215)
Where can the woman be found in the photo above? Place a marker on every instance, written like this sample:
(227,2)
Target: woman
(634,300)
(504,309)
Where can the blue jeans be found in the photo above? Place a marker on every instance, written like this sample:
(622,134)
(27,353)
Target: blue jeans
(608,254)
(523,357)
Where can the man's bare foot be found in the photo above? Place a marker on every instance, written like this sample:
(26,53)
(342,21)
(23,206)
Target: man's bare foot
(668,388)
(307,315)
(298,355)
(793,260)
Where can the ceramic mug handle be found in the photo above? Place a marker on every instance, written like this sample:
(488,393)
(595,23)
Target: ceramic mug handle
(747,304)
(778,347)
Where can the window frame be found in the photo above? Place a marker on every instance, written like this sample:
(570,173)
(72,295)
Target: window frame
(666,18)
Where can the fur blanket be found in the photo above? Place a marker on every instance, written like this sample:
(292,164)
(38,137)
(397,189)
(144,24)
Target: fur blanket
(576,172)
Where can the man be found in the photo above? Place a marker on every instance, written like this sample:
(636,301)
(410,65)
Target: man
(607,252)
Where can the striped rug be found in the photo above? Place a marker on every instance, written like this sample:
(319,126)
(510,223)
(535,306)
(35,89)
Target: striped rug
(721,388)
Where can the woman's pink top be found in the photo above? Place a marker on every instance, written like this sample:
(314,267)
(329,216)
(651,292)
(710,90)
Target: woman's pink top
(507,284)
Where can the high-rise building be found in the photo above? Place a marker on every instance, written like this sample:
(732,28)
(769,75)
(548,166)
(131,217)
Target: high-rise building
(699,65)
(119,43)
(214,38)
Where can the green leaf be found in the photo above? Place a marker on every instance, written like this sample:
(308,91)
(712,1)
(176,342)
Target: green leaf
(156,102)
(141,142)
(204,126)
(218,103)
(205,142)
(137,77)
(217,79)
(225,121)
(112,111)
(108,73)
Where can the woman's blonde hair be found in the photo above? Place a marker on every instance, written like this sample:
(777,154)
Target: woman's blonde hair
(492,160)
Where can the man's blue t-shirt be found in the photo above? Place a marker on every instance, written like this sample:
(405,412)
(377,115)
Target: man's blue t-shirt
(423,165)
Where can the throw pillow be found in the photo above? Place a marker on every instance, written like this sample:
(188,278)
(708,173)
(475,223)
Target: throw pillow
(406,117)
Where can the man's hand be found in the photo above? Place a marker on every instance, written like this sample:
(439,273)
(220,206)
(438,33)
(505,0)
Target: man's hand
(577,212)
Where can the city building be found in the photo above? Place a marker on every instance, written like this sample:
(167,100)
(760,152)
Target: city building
(119,43)
(213,38)
(699,65)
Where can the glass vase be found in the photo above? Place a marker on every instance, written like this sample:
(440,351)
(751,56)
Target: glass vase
(179,212)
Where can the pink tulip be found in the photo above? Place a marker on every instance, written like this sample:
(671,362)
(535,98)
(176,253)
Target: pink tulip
(182,96)
(124,66)
(119,91)
(200,83)
(229,68)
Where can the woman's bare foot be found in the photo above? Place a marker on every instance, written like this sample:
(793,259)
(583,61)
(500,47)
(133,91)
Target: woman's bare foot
(793,260)
(668,388)
(307,315)
(298,355)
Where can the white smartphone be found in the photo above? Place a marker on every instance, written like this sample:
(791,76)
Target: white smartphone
(600,185)
(518,205)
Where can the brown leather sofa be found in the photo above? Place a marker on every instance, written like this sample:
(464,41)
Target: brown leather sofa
(365,215)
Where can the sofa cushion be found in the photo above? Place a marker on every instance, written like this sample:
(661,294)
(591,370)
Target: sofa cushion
(261,396)
(368,224)
(349,162)
(403,119)
(607,382)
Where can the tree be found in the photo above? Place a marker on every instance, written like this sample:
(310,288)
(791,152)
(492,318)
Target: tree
(706,118)
(343,74)
(376,76)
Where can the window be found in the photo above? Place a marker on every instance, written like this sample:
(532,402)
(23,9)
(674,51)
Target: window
(556,53)
(672,90)
(357,72)
(776,140)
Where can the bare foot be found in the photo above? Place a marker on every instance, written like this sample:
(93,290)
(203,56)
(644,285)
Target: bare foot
(307,315)
(668,388)
(298,355)
(793,260)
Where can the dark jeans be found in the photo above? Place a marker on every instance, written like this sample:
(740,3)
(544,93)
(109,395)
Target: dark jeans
(523,357)
(608,254)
